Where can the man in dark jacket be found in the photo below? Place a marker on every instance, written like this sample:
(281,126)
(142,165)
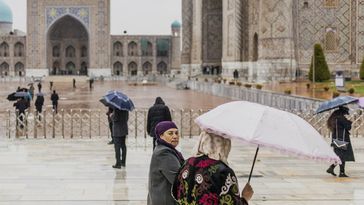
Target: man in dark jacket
(54,99)
(157,113)
(39,102)
(119,131)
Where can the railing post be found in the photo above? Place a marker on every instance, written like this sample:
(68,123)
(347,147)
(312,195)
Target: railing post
(35,124)
(145,124)
(81,121)
(45,123)
(99,116)
(9,124)
(181,122)
(136,123)
(90,121)
(71,124)
(191,111)
(62,111)
(53,124)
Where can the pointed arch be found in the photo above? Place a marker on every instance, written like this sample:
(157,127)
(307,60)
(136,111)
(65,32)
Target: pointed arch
(162,68)
(19,49)
(132,49)
(118,49)
(70,52)
(4,49)
(4,69)
(118,68)
(147,68)
(133,68)
(19,69)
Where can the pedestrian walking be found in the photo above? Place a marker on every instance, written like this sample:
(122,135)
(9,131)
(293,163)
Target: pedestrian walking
(206,177)
(74,83)
(39,87)
(340,128)
(50,85)
(54,99)
(157,113)
(164,165)
(91,82)
(39,102)
(119,133)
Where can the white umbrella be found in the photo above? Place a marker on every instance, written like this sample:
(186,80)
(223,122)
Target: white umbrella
(268,127)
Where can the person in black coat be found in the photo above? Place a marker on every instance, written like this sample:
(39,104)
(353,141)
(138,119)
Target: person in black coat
(157,113)
(119,131)
(54,99)
(20,107)
(340,126)
(39,102)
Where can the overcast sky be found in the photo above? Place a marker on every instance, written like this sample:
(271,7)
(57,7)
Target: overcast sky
(134,16)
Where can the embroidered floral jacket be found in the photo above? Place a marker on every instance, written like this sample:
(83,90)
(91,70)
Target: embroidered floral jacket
(204,181)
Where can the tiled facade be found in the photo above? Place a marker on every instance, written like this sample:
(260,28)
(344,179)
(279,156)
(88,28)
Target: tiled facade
(72,37)
(271,40)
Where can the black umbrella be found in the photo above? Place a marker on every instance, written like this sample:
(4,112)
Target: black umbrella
(12,97)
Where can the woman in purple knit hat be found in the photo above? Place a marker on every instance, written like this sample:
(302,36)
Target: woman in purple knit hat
(164,165)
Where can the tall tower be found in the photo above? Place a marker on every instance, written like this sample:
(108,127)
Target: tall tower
(276,60)
(176,46)
(6,18)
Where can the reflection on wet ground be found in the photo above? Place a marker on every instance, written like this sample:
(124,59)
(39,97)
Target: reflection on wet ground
(78,172)
(142,96)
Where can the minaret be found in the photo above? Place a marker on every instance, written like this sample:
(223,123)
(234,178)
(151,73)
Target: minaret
(176,46)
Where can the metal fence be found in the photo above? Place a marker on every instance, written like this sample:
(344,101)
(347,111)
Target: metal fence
(87,123)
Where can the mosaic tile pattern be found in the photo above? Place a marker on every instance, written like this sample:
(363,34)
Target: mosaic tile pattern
(55,13)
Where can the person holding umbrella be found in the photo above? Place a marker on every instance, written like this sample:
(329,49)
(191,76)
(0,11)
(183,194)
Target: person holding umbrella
(121,105)
(340,126)
(206,178)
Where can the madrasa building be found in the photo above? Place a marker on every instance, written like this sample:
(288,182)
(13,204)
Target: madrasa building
(72,37)
(270,40)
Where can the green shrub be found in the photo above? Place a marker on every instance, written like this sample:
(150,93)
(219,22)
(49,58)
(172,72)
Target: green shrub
(326,88)
(238,84)
(231,83)
(362,70)
(335,94)
(288,91)
(322,72)
(308,85)
(351,90)
(248,85)
(206,80)
(259,86)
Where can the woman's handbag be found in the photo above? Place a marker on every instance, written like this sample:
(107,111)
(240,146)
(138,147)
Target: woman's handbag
(340,144)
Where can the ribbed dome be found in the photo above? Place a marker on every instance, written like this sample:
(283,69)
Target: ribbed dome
(6,15)
(175,24)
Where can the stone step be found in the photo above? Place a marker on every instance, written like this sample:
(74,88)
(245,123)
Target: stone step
(67,78)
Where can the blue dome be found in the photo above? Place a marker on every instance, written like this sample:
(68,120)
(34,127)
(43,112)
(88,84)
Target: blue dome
(175,24)
(5,13)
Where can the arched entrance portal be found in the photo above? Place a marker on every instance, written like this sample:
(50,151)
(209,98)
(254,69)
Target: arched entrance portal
(67,41)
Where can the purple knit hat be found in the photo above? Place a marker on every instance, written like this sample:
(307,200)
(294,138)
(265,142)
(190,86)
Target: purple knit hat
(163,126)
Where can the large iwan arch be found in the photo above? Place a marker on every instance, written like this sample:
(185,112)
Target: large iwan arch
(67,32)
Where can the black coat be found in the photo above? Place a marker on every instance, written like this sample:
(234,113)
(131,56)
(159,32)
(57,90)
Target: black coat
(157,113)
(343,126)
(39,102)
(54,98)
(119,120)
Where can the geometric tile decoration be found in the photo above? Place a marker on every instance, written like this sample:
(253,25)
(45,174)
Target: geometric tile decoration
(80,13)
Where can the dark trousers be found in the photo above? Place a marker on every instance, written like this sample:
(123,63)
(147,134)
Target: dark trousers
(342,167)
(55,107)
(119,143)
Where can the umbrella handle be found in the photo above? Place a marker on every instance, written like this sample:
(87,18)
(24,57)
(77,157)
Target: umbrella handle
(255,158)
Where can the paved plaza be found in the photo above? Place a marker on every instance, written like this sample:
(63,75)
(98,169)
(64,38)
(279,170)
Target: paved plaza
(54,172)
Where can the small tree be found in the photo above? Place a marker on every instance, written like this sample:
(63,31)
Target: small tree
(362,70)
(322,72)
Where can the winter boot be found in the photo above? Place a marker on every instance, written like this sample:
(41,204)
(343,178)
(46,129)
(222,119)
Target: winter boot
(342,170)
(330,170)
